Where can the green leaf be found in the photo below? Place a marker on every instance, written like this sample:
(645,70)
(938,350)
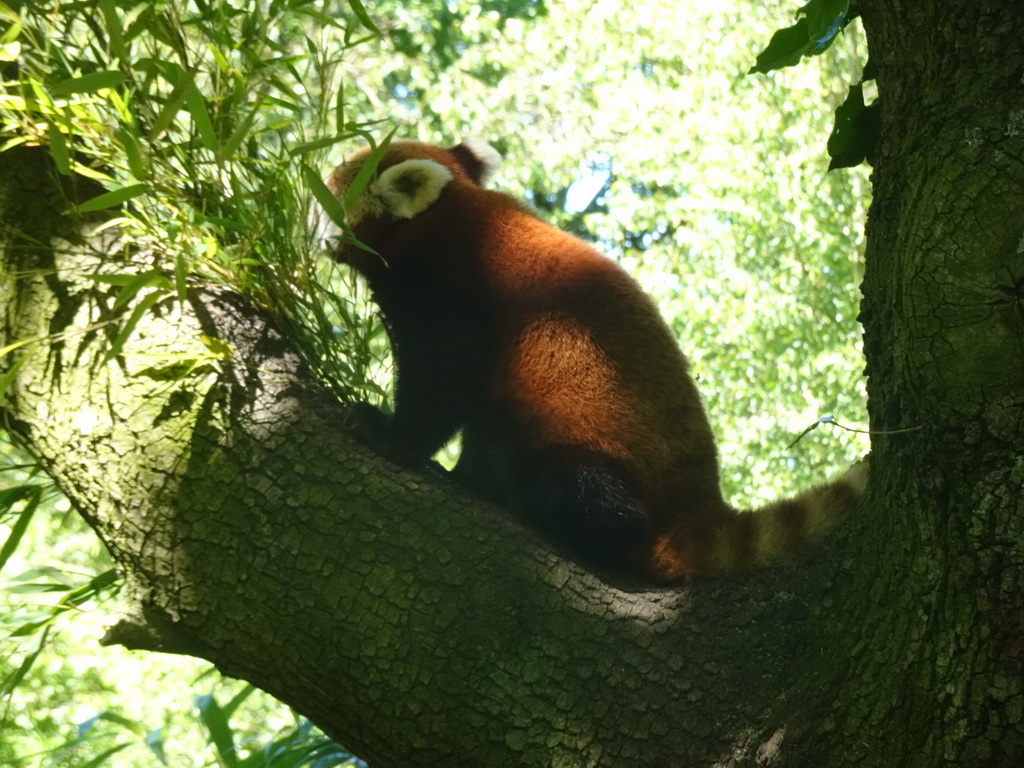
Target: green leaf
(91,83)
(155,742)
(842,142)
(133,320)
(36,587)
(237,226)
(364,18)
(825,20)
(856,131)
(30,494)
(11,373)
(240,134)
(10,51)
(132,283)
(187,366)
(312,146)
(110,199)
(339,109)
(113,23)
(180,273)
(139,282)
(104,756)
(239,698)
(366,171)
(331,205)
(218,348)
(12,33)
(819,22)
(785,49)
(32,627)
(110,716)
(11,682)
(133,153)
(59,149)
(196,105)
(20,343)
(175,101)
(116,279)
(349,239)
(218,728)
(91,590)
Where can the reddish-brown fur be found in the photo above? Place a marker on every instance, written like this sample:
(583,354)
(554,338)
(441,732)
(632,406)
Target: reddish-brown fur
(566,367)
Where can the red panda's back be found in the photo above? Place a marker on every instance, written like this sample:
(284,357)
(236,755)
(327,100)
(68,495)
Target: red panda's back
(576,407)
(588,362)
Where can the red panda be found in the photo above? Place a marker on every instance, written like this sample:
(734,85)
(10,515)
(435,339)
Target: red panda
(576,406)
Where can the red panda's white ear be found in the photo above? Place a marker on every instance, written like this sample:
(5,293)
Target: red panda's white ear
(407,189)
(478,159)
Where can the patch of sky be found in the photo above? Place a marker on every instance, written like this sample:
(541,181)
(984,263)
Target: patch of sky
(584,190)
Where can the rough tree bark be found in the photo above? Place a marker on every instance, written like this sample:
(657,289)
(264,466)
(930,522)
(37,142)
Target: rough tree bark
(939,631)
(419,627)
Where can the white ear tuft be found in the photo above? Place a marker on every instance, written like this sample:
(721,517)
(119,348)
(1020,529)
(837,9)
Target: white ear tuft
(478,158)
(407,189)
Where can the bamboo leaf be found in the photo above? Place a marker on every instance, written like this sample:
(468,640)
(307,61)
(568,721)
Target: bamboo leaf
(59,149)
(312,146)
(103,756)
(339,109)
(16,344)
(218,348)
(364,18)
(11,373)
(133,320)
(113,23)
(218,727)
(195,103)
(331,205)
(174,103)
(239,698)
(91,83)
(11,682)
(366,171)
(155,741)
(240,134)
(137,283)
(180,273)
(110,199)
(30,494)
(133,153)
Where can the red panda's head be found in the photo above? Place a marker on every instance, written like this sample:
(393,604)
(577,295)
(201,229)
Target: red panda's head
(410,177)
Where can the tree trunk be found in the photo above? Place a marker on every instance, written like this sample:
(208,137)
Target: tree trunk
(422,628)
(938,631)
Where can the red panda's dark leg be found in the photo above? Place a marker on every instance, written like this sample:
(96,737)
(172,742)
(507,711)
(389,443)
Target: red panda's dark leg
(587,507)
(386,435)
(575,500)
(437,377)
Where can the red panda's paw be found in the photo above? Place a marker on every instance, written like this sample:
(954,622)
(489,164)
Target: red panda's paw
(372,427)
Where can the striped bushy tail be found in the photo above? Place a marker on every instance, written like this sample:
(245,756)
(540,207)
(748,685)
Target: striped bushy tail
(731,541)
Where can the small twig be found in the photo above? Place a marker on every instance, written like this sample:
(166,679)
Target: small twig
(831,420)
